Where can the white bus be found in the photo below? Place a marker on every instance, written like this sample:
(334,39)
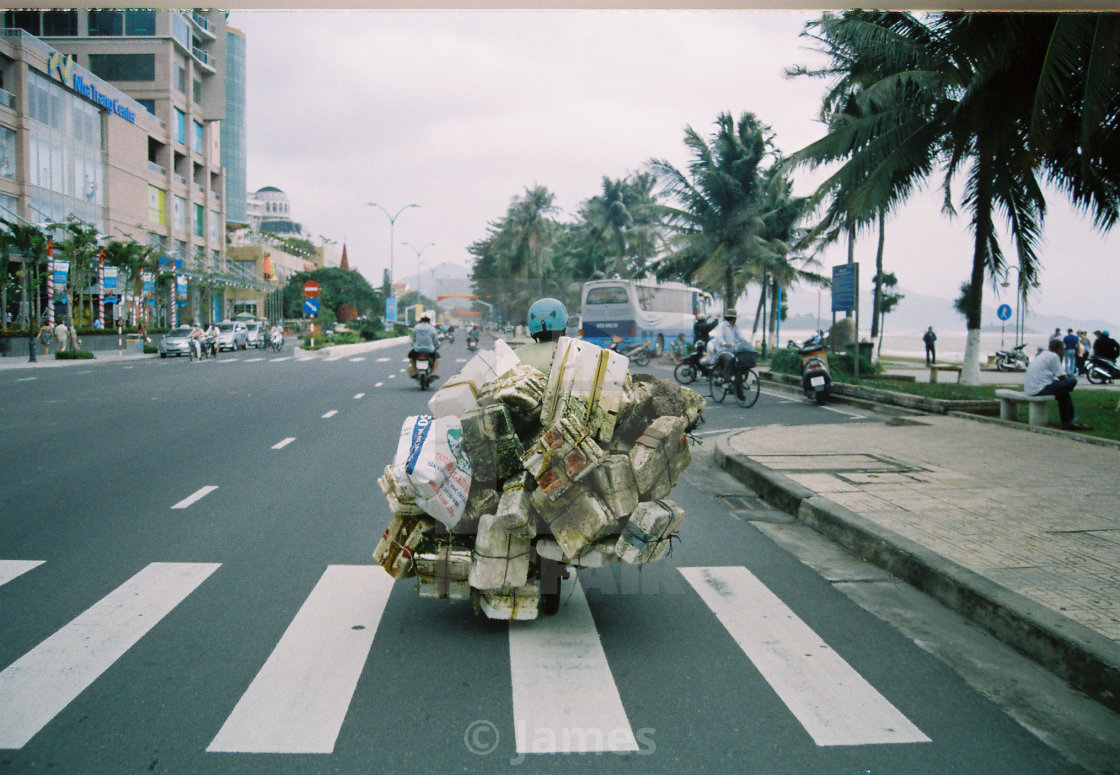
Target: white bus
(640,311)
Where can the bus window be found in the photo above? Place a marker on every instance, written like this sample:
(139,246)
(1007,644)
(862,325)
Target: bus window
(607,294)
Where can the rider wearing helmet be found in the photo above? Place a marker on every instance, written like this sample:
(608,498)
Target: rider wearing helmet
(548,318)
(425,339)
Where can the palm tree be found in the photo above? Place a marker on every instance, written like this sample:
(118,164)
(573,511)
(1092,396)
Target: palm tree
(717,217)
(135,259)
(28,241)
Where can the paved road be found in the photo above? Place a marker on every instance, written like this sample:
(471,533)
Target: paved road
(186,587)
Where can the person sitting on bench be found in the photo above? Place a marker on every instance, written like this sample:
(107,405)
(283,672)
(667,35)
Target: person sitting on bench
(1046,376)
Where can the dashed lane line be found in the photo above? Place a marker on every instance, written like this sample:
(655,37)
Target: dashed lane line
(198,495)
(359,395)
(330,414)
(284,443)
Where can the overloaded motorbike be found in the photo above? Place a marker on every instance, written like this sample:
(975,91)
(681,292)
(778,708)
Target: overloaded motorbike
(816,379)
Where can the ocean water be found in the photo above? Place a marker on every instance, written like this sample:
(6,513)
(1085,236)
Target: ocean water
(950,344)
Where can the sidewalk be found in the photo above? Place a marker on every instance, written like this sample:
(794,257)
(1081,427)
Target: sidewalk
(49,361)
(1018,531)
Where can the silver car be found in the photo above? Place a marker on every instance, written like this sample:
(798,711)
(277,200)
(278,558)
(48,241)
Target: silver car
(255,335)
(176,342)
(232,336)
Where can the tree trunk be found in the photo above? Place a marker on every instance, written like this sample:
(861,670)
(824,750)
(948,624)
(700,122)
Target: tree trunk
(983,233)
(878,300)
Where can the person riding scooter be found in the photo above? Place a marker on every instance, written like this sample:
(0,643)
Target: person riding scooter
(425,339)
(472,336)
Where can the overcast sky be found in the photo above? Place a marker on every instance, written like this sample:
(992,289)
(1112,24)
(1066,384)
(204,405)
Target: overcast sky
(460,111)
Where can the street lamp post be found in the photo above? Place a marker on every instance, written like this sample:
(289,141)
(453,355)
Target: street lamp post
(1018,295)
(419,252)
(392,222)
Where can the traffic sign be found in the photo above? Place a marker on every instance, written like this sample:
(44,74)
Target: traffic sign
(1004,312)
(845,284)
(311,289)
(311,306)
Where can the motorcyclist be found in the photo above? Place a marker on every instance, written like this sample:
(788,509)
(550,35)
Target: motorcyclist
(548,319)
(276,333)
(425,339)
(701,330)
(196,339)
(1106,347)
(210,339)
(473,333)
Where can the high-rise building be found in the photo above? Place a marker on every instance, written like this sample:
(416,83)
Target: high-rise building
(233,128)
(117,118)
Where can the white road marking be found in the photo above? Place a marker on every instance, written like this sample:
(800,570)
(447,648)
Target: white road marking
(383,360)
(26,379)
(378,384)
(298,700)
(197,496)
(284,443)
(361,395)
(564,696)
(330,414)
(394,376)
(36,687)
(253,360)
(460,360)
(830,699)
(359,358)
(10,569)
(283,358)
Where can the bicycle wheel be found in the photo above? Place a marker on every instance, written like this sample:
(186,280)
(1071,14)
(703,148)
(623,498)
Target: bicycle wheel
(718,382)
(747,388)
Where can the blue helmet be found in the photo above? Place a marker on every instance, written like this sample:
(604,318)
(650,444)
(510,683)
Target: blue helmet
(547,315)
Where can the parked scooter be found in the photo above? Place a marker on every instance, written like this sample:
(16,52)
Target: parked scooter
(816,379)
(640,354)
(1101,371)
(1013,360)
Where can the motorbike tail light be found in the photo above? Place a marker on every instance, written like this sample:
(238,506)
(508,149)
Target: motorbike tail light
(633,329)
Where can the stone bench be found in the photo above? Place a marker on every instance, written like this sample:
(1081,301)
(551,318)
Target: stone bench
(933,370)
(1036,406)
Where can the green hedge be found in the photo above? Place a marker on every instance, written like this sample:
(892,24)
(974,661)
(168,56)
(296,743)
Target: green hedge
(73,355)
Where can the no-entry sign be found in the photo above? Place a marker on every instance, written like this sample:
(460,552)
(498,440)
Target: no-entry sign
(311,289)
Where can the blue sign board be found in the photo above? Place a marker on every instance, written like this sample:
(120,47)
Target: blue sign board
(1004,312)
(311,306)
(845,284)
(391,309)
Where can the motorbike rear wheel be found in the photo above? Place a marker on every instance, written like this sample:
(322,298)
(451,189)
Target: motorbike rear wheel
(641,358)
(1003,364)
(1096,376)
(685,373)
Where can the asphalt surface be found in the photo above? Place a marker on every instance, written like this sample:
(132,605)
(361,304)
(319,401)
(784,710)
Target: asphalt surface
(97,459)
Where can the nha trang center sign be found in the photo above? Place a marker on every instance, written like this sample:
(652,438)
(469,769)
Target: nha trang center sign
(63,67)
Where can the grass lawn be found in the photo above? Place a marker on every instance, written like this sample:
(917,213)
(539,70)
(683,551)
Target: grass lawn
(1094,407)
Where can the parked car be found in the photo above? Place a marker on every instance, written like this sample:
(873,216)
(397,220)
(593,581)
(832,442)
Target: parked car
(255,334)
(175,342)
(232,336)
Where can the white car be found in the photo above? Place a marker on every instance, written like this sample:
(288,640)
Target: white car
(232,336)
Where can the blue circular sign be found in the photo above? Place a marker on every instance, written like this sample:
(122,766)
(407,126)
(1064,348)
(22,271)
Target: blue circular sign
(311,306)
(1004,311)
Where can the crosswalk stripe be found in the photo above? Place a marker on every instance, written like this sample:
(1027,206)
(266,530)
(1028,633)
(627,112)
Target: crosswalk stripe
(564,696)
(834,704)
(10,569)
(298,700)
(36,687)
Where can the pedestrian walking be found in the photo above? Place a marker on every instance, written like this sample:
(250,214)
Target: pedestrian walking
(931,348)
(1071,341)
(61,336)
(45,337)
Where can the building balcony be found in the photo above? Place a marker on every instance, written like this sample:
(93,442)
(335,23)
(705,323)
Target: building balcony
(203,58)
(202,25)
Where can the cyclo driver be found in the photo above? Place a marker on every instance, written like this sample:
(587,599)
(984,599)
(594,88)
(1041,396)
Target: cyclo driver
(425,339)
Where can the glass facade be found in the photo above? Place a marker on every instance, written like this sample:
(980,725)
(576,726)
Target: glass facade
(196,137)
(233,131)
(65,170)
(199,220)
(180,127)
(181,30)
(123,67)
(7,152)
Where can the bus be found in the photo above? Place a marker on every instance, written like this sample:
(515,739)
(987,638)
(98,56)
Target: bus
(640,311)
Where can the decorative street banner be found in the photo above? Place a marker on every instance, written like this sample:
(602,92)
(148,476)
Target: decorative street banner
(149,282)
(110,278)
(61,270)
(181,285)
(391,309)
(845,284)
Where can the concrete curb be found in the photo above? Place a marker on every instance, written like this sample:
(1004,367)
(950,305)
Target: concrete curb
(1085,659)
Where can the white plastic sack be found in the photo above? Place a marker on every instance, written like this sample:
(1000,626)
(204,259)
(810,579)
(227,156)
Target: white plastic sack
(459,394)
(430,463)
